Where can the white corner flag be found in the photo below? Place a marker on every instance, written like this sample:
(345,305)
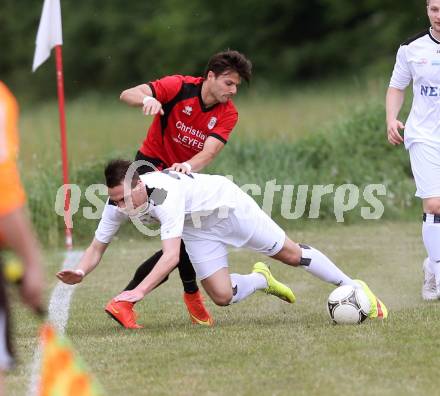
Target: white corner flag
(49,32)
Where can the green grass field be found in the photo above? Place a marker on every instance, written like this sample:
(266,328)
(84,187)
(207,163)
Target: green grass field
(261,346)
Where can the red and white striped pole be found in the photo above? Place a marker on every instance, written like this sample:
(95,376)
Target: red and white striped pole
(50,36)
(63,141)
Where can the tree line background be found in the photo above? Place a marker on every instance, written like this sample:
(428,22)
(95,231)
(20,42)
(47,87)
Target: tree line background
(112,44)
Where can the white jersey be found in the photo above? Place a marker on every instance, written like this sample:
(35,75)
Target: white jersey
(176,200)
(418,60)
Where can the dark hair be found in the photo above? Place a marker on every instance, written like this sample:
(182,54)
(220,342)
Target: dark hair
(227,61)
(115,172)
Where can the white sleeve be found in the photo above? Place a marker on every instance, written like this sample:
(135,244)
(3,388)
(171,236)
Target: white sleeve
(401,76)
(109,224)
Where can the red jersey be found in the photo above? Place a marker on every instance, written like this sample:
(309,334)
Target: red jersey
(181,132)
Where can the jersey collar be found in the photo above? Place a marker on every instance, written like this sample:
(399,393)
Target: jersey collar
(432,37)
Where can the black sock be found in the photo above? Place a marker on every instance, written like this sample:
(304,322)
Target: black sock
(186,272)
(144,269)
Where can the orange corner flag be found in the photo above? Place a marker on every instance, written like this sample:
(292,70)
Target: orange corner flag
(63,372)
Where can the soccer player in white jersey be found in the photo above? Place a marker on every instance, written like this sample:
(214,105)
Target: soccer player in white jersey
(418,59)
(209,213)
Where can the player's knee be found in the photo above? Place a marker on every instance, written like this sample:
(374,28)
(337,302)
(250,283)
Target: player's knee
(222,299)
(294,256)
(290,254)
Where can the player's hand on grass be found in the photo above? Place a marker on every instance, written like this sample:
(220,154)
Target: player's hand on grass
(394,136)
(151,106)
(130,296)
(181,167)
(71,277)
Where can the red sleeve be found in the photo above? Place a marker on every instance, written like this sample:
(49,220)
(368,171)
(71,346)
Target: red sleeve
(166,88)
(224,127)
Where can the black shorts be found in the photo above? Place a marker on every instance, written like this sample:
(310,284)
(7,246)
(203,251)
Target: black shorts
(157,164)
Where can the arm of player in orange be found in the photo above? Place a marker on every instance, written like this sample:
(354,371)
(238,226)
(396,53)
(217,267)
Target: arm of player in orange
(18,234)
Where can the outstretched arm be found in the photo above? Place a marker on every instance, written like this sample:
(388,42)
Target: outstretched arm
(168,261)
(90,259)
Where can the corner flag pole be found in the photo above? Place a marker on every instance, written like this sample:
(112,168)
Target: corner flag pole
(63,140)
(50,35)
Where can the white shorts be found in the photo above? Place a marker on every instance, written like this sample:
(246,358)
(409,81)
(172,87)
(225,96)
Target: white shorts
(425,165)
(245,226)
(6,353)
(6,359)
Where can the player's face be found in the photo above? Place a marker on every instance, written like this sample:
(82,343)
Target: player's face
(116,194)
(224,86)
(434,15)
(136,196)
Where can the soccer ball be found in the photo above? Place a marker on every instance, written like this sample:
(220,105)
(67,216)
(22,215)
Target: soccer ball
(348,305)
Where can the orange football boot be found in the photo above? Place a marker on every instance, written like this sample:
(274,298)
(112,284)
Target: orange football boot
(123,313)
(197,310)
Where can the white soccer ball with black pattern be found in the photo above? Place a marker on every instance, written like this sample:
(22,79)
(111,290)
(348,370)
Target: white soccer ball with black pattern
(348,305)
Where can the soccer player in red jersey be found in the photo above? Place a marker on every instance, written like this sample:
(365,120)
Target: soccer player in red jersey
(193,118)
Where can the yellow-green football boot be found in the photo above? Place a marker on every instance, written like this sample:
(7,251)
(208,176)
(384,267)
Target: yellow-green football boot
(274,287)
(377,307)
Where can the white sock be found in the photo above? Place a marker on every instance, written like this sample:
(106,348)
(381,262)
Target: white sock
(431,240)
(431,265)
(245,285)
(321,266)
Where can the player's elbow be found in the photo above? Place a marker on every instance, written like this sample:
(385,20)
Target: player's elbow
(208,157)
(210,154)
(123,95)
(173,259)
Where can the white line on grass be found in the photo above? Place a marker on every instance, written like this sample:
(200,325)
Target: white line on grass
(58,314)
